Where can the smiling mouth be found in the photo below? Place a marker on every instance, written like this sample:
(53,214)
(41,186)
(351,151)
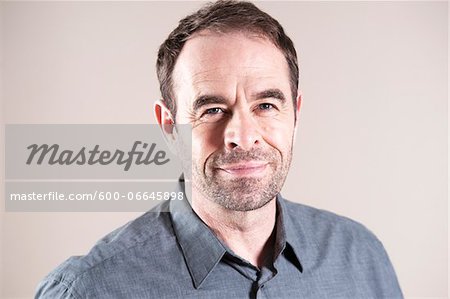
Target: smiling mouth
(251,168)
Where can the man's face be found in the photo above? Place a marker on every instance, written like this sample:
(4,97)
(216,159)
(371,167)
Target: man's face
(234,90)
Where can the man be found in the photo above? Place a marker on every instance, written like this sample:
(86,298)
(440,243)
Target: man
(230,71)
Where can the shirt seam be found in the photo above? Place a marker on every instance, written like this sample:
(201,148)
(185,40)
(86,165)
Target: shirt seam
(85,272)
(68,285)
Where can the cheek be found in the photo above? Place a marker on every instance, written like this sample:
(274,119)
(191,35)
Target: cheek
(206,139)
(278,136)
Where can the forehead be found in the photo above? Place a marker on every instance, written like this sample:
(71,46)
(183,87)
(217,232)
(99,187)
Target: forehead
(209,58)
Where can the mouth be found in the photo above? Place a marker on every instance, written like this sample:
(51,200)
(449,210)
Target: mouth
(250,168)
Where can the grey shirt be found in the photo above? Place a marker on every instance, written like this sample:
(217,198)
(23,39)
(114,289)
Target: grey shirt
(170,253)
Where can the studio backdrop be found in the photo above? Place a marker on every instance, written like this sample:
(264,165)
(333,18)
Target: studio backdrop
(372,137)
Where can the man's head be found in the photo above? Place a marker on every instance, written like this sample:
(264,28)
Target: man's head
(222,17)
(235,86)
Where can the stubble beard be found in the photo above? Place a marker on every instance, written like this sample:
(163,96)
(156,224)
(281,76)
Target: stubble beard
(244,193)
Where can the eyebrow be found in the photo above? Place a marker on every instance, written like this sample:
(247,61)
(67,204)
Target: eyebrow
(206,100)
(271,93)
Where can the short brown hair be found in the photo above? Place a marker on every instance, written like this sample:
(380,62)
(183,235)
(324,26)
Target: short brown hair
(222,16)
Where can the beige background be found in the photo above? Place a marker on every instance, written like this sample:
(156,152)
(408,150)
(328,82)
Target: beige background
(372,143)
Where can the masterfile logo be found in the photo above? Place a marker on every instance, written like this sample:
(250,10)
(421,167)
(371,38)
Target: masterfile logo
(54,155)
(93,152)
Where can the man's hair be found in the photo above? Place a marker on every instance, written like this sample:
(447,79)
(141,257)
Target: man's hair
(221,17)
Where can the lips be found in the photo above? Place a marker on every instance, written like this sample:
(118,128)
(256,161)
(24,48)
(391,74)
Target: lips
(249,168)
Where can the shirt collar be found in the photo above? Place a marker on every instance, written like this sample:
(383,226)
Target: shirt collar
(202,250)
(288,235)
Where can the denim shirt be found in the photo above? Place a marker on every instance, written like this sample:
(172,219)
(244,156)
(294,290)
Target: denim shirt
(169,252)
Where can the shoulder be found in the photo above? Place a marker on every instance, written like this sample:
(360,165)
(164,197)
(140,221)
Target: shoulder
(323,226)
(152,230)
(343,250)
(327,237)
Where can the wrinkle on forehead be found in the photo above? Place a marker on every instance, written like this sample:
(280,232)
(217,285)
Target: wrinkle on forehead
(204,76)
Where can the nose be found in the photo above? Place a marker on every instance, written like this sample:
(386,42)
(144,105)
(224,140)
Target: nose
(241,131)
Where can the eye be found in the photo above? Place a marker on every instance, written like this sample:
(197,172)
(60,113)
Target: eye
(212,114)
(214,110)
(265,106)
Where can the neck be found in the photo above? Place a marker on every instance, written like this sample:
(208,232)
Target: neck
(249,234)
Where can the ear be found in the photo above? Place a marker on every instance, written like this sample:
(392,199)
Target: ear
(165,120)
(163,117)
(297,113)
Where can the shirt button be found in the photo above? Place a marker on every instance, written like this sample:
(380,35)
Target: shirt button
(262,286)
